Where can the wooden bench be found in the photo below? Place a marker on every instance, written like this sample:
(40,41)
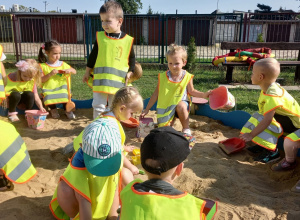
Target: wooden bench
(232,46)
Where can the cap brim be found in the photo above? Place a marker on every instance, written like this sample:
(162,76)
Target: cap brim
(106,167)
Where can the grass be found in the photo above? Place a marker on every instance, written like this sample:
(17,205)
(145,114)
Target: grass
(205,79)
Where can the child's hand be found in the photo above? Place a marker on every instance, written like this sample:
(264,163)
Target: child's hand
(85,77)
(54,72)
(144,113)
(127,78)
(128,148)
(246,137)
(43,109)
(69,71)
(134,169)
(207,94)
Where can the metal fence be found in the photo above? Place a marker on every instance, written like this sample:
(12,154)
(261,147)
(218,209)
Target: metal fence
(22,34)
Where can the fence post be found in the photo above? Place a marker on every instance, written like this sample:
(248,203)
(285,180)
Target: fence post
(245,27)
(162,39)
(15,37)
(86,36)
(241,25)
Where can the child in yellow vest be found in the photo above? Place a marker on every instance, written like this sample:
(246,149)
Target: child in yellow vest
(88,187)
(56,78)
(15,163)
(173,91)
(278,112)
(21,88)
(2,75)
(162,154)
(112,58)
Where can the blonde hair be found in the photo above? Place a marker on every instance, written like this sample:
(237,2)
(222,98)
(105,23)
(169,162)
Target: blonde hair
(128,96)
(33,69)
(112,7)
(270,67)
(174,48)
(137,73)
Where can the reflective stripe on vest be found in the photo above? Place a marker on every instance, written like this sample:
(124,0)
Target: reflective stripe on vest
(267,138)
(111,65)
(14,157)
(135,205)
(55,90)
(295,136)
(18,86)
(169,95)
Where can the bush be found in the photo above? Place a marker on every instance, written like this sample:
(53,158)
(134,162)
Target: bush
(260,38)
(191,51)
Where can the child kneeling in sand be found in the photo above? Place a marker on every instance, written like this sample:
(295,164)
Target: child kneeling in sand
(278,112)
(162,154)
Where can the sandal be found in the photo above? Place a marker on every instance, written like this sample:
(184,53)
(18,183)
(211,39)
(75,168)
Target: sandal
(4,182)
(54,113)
(283,165)
(191,140)
(13,117)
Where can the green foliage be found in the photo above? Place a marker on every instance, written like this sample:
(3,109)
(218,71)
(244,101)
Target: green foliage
(260,38)
(191,51)
(143,40)
(131,6)
(149,12)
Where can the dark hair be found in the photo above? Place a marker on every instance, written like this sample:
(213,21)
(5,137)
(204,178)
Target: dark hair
(47,47)
(112,6)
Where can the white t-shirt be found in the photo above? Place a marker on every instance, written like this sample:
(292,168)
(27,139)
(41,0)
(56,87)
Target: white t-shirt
(3,57)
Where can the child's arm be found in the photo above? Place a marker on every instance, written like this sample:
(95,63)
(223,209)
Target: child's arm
(127,78)
(70,71)
(194,92)
(151,102)
(3,73)
(48,76)
(86,76)
(38,101)
(260,127)
(130,166)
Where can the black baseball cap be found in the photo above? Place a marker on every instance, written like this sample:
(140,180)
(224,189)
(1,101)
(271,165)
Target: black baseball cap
(166,146)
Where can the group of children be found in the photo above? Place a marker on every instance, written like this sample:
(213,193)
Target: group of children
(99,177)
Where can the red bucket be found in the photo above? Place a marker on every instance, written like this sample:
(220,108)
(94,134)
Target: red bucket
(221,98)
(36,118)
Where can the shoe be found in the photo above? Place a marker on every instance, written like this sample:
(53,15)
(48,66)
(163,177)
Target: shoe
(283,165)
(70,115)
(13,117)
(296,188)
(268,156)
(54,113)
(191,140)
(255,149)
(5,184)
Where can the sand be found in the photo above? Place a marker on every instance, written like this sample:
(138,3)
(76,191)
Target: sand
(243,188)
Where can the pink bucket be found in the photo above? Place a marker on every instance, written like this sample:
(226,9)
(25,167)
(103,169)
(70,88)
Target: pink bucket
(36,118)
(221,98)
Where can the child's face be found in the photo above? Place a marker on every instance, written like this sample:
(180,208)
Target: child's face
(126,112)
(54,54)
(110,23)
(26,76)
(176,63)
(256,75)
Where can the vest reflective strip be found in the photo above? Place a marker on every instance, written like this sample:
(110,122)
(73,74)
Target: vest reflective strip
(107,82)
(263,135)
(56,89)
(166,118)
(56,96)
(110,70)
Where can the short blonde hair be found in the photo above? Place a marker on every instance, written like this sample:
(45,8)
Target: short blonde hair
(112,7)
(270,67)
(174,48)
(33,69)
(137,73)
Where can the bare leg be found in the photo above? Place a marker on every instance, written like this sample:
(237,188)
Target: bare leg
(127,176)
(113,214)
(290,149)
(183,114)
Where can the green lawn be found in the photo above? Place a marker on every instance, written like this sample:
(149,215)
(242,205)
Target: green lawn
(205,79)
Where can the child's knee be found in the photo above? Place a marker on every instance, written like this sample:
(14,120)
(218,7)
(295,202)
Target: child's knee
(127,176)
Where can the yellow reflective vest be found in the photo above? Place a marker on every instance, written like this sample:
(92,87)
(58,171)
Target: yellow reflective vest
(295,136)
(55,90)
(99,191)
(169,95)
(278,99)
(14,158)
(111,66)
(18,86)
(2,90)
(152,206)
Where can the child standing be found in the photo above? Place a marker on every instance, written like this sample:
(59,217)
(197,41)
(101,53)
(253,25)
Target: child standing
(162,154)
(2,75)
(21,88)
(88,187)
(112,58)
(173,91)
(278,112)
(56,78)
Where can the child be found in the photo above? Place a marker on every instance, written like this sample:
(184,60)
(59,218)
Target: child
(15,164)
(2,75)
(278,112)
(21,88)
(89,184)
(173,91)
(56,78)
(162,154)
(112,58)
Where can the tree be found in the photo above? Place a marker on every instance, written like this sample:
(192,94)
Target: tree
(23,8)
(131,6)
(264,7)
(191,52)
(150,12)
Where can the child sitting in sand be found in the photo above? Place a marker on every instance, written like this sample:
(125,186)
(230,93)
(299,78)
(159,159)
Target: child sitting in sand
(162,154)
(278,112)
(89,185)
(2,75)
(173,91)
